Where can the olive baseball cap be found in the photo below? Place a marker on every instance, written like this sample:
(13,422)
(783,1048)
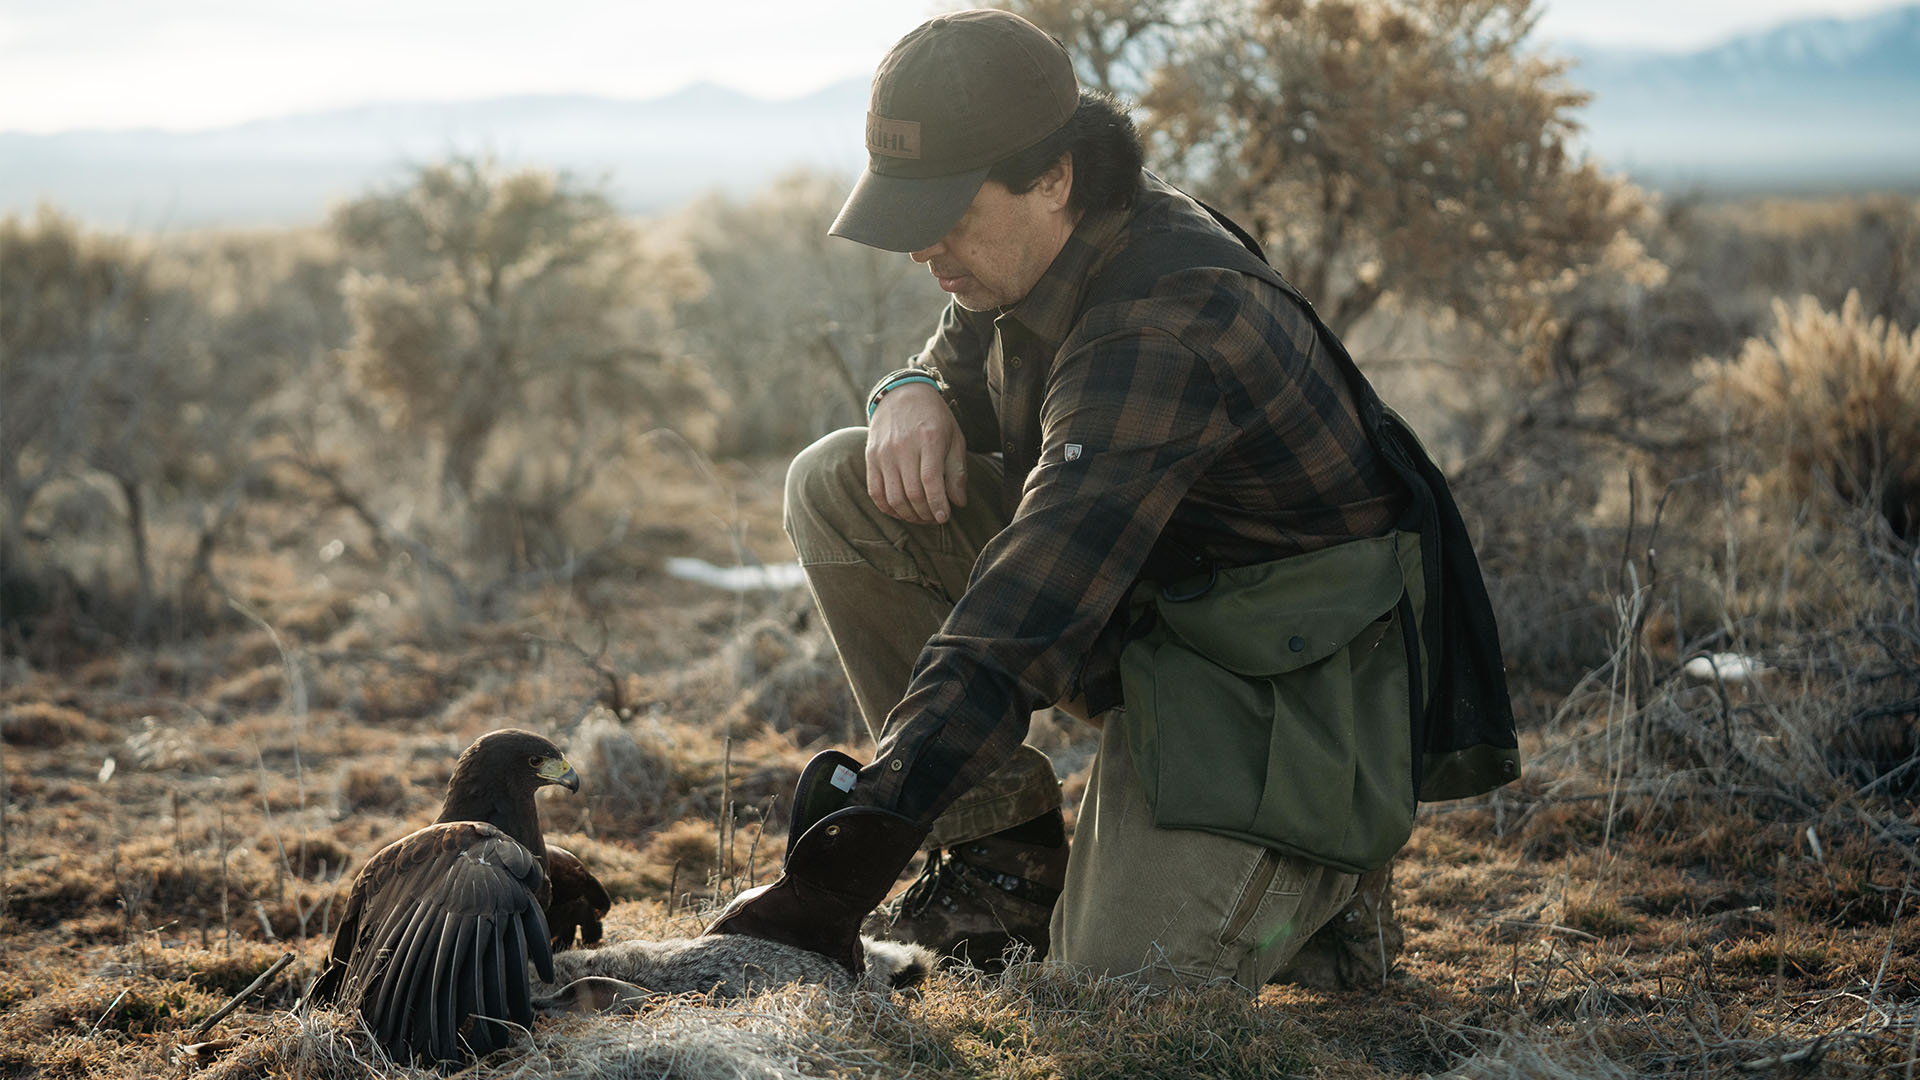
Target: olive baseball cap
(953,97)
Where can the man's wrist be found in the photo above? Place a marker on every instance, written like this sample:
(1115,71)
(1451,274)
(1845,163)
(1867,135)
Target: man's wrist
(888,387)
(908,376)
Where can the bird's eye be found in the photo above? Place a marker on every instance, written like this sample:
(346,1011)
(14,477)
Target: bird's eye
(535,761)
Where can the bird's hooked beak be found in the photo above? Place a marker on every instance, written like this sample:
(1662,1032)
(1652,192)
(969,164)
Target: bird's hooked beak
(555,770)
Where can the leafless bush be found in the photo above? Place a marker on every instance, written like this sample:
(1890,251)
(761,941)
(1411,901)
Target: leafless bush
(137,375)
(517,328)
(828,316)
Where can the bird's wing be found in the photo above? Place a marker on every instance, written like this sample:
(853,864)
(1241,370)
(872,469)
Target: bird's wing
(446,926)
(578,900)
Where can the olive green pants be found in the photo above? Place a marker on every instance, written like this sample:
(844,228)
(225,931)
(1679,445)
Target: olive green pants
(1164,905)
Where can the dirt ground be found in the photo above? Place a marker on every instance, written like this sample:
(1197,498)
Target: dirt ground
(177,817)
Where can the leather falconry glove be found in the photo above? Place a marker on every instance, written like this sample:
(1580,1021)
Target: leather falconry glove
(840,863)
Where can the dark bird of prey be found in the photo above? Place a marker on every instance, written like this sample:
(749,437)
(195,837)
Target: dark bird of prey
(579,900)
(440,925)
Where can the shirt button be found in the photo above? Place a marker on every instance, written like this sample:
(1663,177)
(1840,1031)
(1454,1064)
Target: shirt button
(894,765)
(1297,643)
(1015,361)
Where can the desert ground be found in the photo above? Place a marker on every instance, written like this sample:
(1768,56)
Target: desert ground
(178,816)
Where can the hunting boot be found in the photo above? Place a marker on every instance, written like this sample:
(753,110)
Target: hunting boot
(977,900)
(1356,948)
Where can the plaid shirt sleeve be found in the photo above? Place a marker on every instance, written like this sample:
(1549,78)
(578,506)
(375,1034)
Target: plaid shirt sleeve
(1130,421)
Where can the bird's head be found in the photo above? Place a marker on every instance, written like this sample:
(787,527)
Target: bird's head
(519,759)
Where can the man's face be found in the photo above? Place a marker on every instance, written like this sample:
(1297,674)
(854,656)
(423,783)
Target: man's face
(1004,242)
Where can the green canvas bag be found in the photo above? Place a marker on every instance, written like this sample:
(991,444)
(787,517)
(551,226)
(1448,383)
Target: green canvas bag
(1278,705)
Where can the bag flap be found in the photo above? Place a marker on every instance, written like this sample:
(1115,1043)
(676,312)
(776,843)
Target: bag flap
(1281,616)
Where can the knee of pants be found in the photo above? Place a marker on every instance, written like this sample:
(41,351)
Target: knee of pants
(824,476)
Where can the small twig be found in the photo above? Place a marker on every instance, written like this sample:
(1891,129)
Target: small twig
(1548,927)
(235,1002)
(296,685)
(754,849)
(726,807)
(1806,1054)
(1880,831)
(1900,906)
(114,1004)
(226,925)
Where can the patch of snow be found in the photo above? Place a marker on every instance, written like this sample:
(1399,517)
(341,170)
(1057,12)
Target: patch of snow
(1732,667)
(737,578)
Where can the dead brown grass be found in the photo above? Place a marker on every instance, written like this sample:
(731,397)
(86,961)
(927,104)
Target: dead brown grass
(1692,877)
(1830,400)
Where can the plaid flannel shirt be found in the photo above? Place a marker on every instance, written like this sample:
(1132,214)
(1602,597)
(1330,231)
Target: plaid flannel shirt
(1207,408)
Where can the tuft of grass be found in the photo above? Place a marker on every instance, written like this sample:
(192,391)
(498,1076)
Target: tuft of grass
(371,786)
(1792,957)
(260,688)
(137,1005)
(219,972)
(1601,918)
(44,725)
(1041,1020)
(1831,398)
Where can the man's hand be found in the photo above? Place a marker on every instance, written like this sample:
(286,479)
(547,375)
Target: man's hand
(916,456)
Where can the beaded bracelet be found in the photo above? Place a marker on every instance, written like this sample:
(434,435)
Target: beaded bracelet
(873,402)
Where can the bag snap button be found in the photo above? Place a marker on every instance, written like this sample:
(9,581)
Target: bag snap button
(1297,643)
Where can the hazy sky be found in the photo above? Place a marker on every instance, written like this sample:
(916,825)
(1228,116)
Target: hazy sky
(185,64)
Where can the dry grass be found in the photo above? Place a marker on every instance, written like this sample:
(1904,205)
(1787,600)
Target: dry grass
(1831,400)
(1694,878)
(1646,902)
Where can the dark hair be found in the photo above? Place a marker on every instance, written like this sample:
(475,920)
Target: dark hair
(1106,156)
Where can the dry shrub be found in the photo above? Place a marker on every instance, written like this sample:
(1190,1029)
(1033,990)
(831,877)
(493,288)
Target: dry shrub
(392,692)
(627,771)
(47,891)
(1832,400)
(364,787)
(44,725)
(684,851)
(803,695)
(150,877)
(217,971)
(308,854)
(261,688)
(315,619)
(253,648)
(779,673)
(1601,918)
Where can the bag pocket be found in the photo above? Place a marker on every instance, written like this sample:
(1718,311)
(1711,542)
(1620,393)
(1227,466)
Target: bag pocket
(1276,707)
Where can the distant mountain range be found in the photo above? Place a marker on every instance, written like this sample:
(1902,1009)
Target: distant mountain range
(653,154)
(1811,104)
